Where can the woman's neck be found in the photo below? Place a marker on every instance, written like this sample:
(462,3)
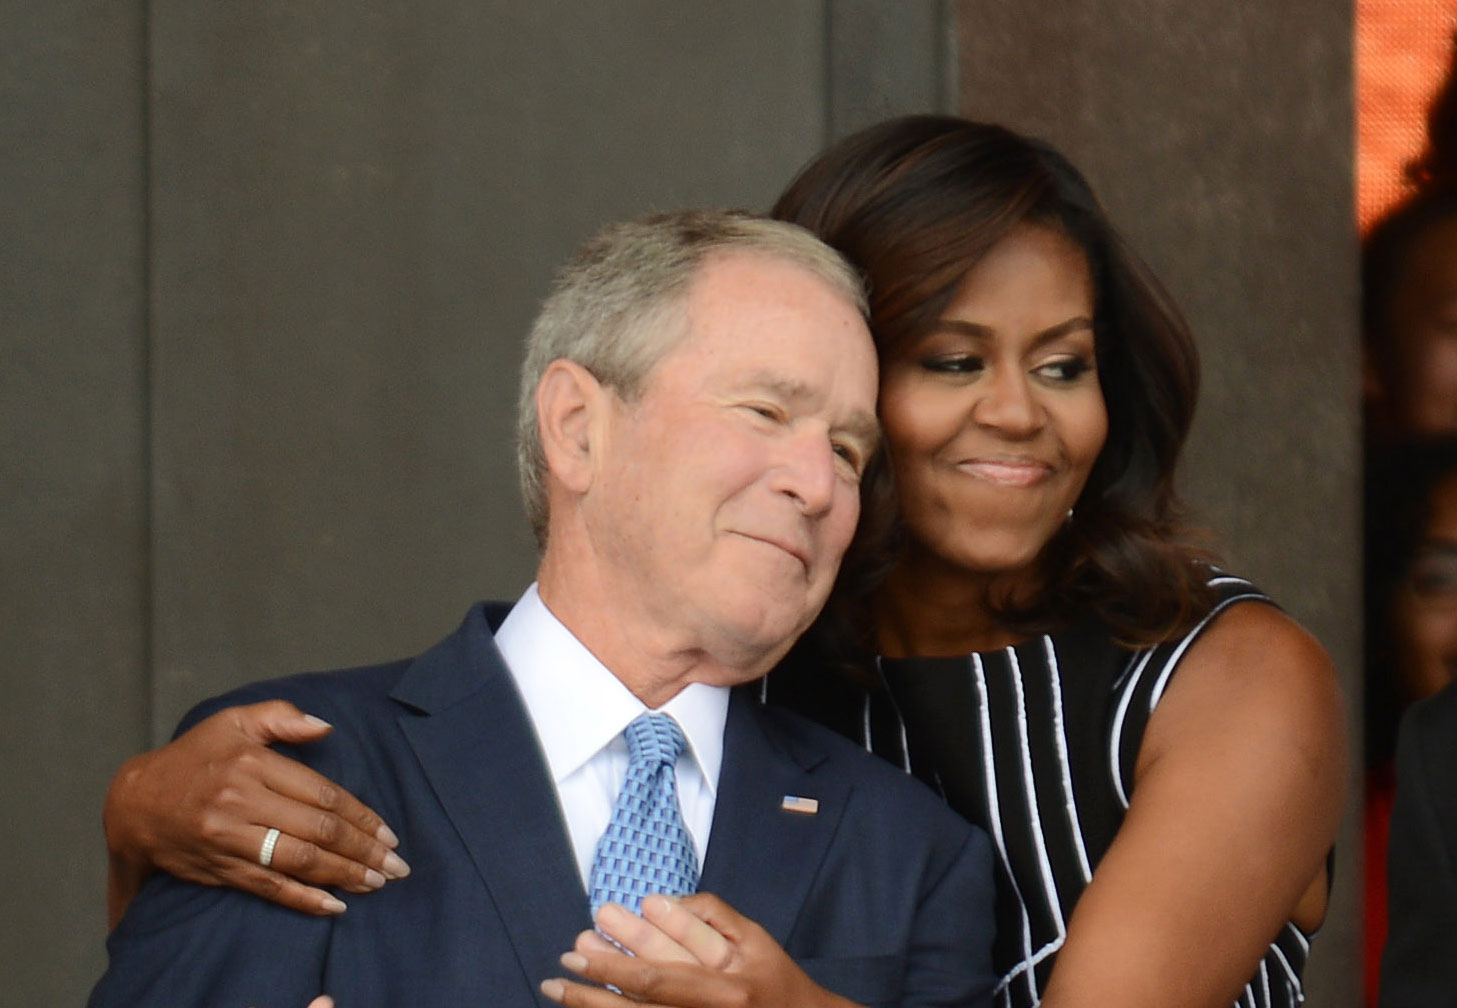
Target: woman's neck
(927,608)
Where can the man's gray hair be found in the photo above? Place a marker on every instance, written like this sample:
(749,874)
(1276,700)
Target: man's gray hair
(618,306)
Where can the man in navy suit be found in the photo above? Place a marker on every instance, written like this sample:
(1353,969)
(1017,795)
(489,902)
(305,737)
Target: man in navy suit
(697,408)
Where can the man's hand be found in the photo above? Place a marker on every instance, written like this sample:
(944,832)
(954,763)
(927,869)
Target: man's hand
(200,807)
(687,952)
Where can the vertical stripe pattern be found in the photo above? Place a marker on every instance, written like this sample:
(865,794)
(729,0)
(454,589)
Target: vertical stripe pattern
(1037,744)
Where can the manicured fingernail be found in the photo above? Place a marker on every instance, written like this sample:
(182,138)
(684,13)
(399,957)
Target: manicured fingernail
(386,836)
(317,722)
(333,906)
(373,879)
(395,867)
(574,961)
(554,988)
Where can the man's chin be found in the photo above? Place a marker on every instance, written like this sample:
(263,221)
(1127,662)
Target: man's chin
(753,644)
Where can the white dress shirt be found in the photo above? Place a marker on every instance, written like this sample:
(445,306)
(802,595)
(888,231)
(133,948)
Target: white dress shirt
(579,710)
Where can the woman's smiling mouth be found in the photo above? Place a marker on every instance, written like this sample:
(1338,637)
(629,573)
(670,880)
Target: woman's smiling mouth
(1007,472)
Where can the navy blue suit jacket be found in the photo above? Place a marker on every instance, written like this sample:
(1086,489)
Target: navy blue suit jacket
(884,895)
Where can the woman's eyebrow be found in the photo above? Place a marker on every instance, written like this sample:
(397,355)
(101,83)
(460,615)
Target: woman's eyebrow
(978,331)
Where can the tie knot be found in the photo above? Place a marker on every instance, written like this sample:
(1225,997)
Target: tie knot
(653,739)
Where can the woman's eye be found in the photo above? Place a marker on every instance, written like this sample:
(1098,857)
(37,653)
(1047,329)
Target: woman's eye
(1065,369)
(956,364)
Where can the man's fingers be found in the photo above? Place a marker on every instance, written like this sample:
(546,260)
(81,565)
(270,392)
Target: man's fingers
(717,914)
(689,931)
(638,936)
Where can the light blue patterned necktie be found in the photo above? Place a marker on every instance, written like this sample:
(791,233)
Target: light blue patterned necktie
(646,848)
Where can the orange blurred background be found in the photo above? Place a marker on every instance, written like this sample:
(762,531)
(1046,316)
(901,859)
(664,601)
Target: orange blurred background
(1402,50)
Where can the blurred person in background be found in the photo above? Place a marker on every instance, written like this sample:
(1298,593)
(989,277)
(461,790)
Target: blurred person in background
(1411,629)
(1409,318)
(1419,969)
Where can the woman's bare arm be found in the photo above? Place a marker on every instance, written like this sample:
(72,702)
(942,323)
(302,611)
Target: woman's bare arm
(1238,793)
(200,807)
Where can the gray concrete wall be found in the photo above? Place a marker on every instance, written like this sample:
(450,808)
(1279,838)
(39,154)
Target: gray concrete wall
(1219,137)
(266,271)
(74,569)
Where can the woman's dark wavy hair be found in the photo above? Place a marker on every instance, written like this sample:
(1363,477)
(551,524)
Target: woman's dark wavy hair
(915,203)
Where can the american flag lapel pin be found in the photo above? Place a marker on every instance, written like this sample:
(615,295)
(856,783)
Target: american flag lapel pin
(804,806)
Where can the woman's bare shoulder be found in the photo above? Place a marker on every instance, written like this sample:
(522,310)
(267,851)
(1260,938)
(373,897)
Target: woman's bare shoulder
(1257,692)
(1256,654)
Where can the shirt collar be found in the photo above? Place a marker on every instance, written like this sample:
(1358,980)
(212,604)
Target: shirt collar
(579,707)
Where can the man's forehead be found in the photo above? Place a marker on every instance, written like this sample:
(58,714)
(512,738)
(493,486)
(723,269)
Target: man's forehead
(759,320)
(745,270)
(752,285)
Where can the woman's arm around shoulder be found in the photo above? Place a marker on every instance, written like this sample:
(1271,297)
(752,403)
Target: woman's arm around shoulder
(1237,796)
(201,806)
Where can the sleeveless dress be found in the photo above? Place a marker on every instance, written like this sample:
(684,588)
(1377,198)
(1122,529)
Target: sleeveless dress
(1036,744)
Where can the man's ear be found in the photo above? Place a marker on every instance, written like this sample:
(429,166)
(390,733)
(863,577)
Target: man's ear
(569,400)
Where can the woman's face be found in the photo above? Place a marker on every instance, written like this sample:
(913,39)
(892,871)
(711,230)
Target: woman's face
(994,418)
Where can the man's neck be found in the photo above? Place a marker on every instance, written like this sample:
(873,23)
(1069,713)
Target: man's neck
(650,662)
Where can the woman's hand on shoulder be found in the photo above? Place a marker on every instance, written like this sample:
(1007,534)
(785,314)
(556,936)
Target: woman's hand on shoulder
(1238,792)
(687,952)
(201,807)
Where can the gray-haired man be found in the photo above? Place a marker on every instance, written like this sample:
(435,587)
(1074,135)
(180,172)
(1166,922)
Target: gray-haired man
(697,408)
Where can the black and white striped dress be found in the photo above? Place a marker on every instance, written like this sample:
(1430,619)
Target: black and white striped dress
(1037,744)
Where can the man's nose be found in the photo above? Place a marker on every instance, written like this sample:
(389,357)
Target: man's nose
(806,470)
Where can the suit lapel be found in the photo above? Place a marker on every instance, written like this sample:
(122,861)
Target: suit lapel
(480,754)
(761,858)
